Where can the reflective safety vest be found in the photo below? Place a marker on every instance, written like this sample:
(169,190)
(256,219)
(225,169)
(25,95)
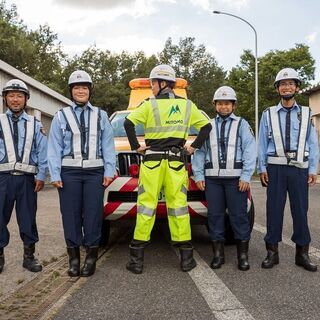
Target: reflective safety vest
(230,168)
(172,128)
(298,158)
(12,163)
(76,159)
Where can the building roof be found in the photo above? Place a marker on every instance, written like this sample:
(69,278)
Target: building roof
(15,73)
(313,88)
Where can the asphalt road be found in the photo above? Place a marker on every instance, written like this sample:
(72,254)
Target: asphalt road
(164,292)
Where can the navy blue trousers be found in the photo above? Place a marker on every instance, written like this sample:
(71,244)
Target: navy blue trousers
(294,181)
(19,191)
(222,194)
(81,205)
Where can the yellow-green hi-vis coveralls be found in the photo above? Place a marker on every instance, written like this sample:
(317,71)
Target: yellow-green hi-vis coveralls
(166,119)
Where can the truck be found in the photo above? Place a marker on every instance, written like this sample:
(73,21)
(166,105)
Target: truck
(121,195)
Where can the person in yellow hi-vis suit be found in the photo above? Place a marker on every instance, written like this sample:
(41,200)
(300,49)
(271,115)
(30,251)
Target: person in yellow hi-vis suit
(166,119)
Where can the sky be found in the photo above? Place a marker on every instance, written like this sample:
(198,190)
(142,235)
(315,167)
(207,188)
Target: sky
(134,25)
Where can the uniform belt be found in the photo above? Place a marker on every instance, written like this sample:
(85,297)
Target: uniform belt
(17,173)
(167,152)
(291,155)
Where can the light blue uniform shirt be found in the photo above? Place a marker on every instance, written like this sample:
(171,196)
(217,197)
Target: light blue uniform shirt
(38,154)
(245,153)
(60,142)
(266,143)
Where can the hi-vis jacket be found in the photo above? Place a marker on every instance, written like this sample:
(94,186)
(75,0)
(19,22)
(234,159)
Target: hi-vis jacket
(167,120)
(240,151)
(304,149)
(65,141)
(31,149)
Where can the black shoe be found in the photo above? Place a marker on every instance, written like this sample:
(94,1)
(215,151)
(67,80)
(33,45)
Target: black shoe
(303,260)
(74,261)
(29,261)
(1,259)
(89,266)
(218,254)
(242,252)
(135,265)
(272,257)
(187,261)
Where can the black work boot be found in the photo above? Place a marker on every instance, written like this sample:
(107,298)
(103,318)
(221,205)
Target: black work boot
(187,262)
(272,257)
(74,261)
(135,265)
(302,258)
(29,261)
(242,252)
(1,259)
(89,266)
(218,254)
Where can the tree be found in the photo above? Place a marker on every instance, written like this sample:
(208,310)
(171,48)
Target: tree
(241,78)
(111,74)
(36,53)
(198,67)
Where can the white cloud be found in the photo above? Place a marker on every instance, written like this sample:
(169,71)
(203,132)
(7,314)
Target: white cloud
(311,37)
(209,5)
(130,43)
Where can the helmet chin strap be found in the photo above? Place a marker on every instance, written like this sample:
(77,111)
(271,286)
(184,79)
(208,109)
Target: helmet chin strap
(224,115)
(287,96)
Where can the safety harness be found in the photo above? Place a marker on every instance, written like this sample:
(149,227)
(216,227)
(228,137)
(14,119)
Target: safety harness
(229,168)
(297,158)
(76,158)
(12,163)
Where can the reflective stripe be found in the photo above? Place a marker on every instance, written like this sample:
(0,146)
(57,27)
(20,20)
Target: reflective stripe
(276,132)
(155,110)
(166,129)
(146,211)
(30,129)
(188,112)
(77,160)
(184,189)
(231,150)
(18,166)
(93,134)
(6,130)
(284,161)
(178,211)
(223,172)
(72,121)
(304,125)
(69,162)
(140,190)
(12,163)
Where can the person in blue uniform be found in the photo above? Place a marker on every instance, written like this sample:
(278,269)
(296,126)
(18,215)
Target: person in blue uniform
(81,159)
(223,168)
(23,163)
(288,159)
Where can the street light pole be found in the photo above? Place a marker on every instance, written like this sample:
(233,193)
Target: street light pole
(256,69)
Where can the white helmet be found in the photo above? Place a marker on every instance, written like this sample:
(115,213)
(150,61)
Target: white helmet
(287,74)
(79,76)
(16,85)
(163,72)
(224,93)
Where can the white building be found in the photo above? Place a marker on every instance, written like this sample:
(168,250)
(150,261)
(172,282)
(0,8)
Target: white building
(43,103)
